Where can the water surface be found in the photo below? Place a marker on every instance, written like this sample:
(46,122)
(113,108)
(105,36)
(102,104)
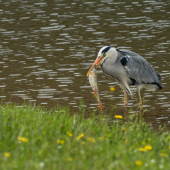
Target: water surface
(47,47)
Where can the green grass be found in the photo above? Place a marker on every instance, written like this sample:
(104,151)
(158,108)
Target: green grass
(104,146)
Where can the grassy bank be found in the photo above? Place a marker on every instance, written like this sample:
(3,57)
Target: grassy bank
(32,138)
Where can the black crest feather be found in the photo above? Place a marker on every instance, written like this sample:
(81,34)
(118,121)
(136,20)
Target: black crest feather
(106,49)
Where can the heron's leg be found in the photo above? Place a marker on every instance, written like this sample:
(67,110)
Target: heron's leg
(125,99)
(140,100)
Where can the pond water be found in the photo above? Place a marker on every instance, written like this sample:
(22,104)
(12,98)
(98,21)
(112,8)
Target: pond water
(47,47)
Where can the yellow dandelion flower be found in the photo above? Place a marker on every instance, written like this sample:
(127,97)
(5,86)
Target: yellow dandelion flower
(142,149)
(118,117)
(70,159)
(148,147)
(101,138)
(60,141)
(22,139)
(123,128)
(112,89)
(163,154)
(126,141)
(83,143)
(138,163)
(7,154)
(80,136)
(69,134)
(91,139)
(169,147)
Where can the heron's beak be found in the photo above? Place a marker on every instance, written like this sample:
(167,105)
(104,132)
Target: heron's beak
(96,63)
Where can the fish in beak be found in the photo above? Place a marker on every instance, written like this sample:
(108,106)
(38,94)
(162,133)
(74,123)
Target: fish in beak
(94,85)
(96,63)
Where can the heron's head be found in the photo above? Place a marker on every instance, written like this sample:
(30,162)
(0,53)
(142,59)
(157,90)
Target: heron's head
(105,52)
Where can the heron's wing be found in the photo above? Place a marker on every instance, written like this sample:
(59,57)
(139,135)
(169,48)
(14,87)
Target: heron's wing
(137,68)
(117,71)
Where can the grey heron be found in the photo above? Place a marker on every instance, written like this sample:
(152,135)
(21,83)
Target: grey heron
(128,68)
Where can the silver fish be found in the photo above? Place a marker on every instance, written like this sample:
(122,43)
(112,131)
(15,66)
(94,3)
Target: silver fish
(94,85)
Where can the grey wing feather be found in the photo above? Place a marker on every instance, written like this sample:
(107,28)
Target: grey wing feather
(116,70)
(139,69)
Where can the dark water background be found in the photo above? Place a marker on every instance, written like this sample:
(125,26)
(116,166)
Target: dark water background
(47,47)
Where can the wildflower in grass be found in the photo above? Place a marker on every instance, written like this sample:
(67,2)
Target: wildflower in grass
(112,89)
(138,163)
(152,161)
(126,141)
(148,147)
(123,128)
(101,138)
(7,154)
(163,154)
(69,134)
(60,141)
(69,159)
(142,149)
(22,139)
(83,143)
(169,147)
(91,139)
(80,136)
(41,164)
(118,117)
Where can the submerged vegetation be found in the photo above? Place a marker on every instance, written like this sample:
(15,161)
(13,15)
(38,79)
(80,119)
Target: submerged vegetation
(34,138)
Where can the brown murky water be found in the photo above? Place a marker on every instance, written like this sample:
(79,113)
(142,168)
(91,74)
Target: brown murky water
(47,47)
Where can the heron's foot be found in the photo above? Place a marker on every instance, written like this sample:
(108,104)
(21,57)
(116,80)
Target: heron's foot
(125,114)
(125,105)
(140,103)
(141,108)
